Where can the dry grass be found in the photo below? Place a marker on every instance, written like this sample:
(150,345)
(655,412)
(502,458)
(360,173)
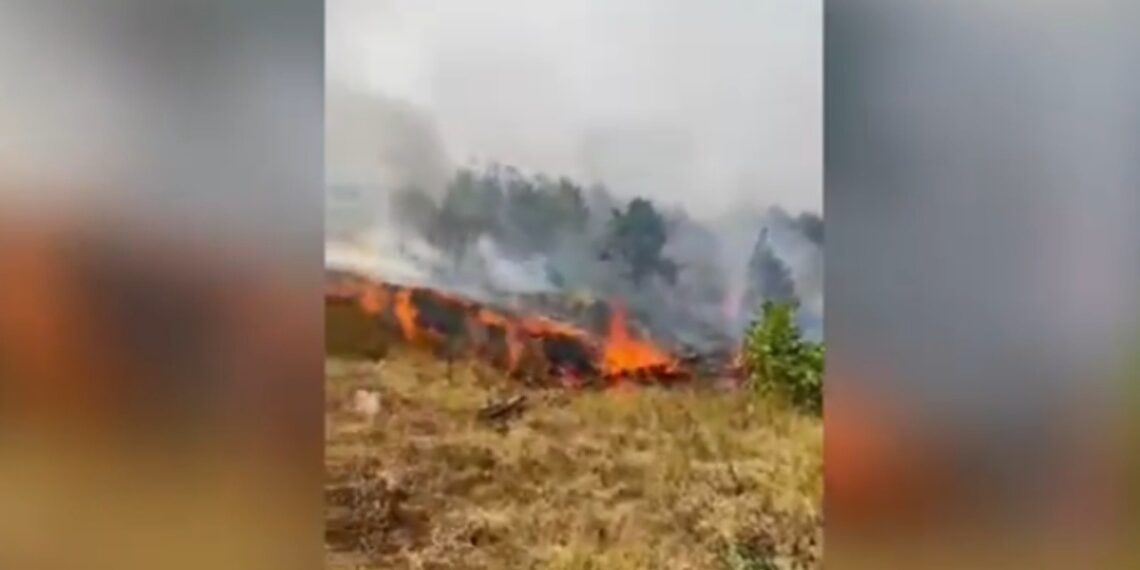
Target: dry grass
(645,479)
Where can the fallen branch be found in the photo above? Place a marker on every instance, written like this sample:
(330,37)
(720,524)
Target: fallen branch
(503,410)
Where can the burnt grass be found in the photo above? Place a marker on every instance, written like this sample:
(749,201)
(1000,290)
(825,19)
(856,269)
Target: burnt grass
(653,478)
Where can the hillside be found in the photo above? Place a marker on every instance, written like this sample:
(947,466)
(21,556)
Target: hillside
(572,480)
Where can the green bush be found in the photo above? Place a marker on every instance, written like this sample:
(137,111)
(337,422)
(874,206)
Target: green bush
(780,361)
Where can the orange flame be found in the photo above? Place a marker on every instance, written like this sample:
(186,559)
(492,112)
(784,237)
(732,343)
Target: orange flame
(514,344)
(579,353)
(373,300)
(406,313)
(541,325)
(625,354)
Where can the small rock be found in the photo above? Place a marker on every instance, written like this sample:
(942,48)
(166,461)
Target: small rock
(366,403)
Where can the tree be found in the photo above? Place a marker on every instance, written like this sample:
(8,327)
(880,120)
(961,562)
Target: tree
(528,228)
(780,361)
(539,211)
(470,208)
(770,278)
(571,205)
(636,238)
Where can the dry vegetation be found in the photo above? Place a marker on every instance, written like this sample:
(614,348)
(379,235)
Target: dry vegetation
(632,479)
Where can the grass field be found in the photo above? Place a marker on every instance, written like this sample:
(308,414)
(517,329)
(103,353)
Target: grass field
(615,480)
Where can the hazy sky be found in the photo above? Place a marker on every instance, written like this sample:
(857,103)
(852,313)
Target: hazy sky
(702,103)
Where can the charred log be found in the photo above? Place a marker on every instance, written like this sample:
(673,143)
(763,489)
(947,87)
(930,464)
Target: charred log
(442,316)
(502,411)
(566,354)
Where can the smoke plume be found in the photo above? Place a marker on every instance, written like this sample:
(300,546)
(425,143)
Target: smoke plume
(505,152)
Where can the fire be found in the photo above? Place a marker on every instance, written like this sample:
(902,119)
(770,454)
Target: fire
(523,344)
(542,325)
(406,313)
(625,354)
(373,300)
(510,335)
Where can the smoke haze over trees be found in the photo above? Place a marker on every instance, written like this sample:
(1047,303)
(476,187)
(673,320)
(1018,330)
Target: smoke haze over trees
(637,173)
(499,231)
(490,230)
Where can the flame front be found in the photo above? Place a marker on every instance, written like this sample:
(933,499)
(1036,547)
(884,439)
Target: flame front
(624,354)
(428,317)
(373,300)
(510,335)
(406,314)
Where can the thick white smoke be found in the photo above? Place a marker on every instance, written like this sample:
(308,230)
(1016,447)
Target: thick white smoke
(416,92)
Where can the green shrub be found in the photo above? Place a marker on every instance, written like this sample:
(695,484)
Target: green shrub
(739,558)
(780,361)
